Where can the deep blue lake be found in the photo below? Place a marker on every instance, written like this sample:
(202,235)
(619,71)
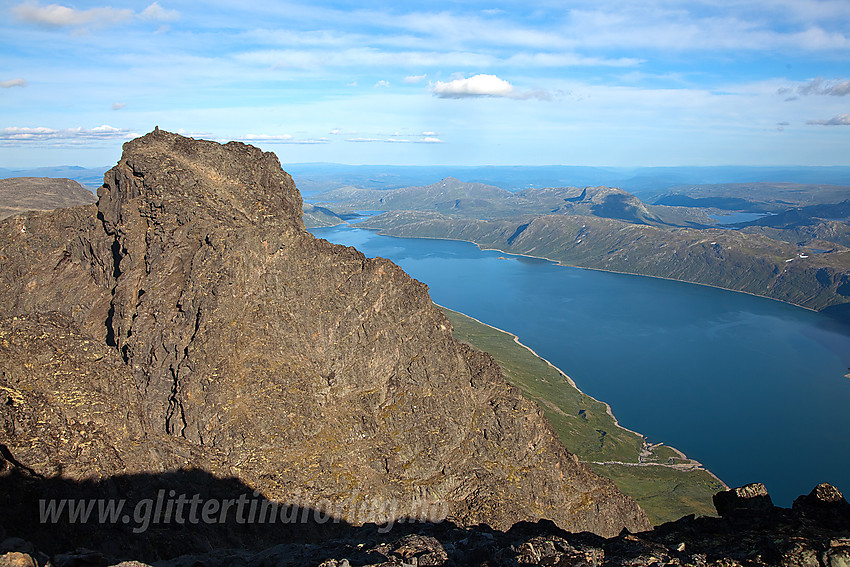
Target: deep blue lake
(752,388)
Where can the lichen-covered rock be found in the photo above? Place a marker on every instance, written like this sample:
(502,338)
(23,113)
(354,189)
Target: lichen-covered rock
(16,559)
(190,320)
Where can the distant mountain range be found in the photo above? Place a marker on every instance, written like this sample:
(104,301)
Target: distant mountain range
(799,253)
(806,208)
(637,180)
(91,177)
(315,177)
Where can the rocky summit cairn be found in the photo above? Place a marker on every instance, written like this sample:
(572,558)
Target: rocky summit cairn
(189,321)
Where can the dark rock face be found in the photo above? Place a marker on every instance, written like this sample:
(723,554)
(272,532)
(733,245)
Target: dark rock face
(189,320)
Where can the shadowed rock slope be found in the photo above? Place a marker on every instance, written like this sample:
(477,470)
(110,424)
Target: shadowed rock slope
(189,320)
(749,532)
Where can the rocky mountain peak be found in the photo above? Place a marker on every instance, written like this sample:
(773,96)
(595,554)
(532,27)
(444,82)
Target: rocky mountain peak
(250,349)
(223,182)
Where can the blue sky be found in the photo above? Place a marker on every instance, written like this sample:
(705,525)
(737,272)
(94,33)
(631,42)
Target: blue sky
(666,82)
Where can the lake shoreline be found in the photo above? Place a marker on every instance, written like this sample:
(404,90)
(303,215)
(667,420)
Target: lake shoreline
(566,265)
(692,465)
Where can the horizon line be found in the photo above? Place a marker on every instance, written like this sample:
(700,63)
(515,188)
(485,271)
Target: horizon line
(513,165)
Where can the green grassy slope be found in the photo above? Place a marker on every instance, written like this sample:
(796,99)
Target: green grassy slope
(665,483)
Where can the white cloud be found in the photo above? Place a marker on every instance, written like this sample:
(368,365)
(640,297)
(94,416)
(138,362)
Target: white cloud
(158,13)
(840,120)
(478,85)
(396,139)
(656,24)
(13,83)
(280,139)
(105,129)
(819,86)
(310,57)
(118,105)
(15,134)
(57,16)
(360,57)
(456,30)
(568,60)
(711,26)
(382,84)
(666,24)
(484,86)
(267,137)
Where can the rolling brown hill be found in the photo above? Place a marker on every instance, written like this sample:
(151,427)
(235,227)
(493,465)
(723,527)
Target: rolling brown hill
(22,194)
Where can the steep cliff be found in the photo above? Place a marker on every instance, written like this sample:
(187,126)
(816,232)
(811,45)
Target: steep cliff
(189,320)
